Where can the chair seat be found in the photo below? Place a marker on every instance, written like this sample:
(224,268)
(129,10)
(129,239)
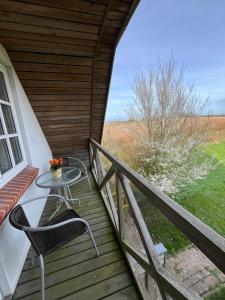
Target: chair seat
(50,240)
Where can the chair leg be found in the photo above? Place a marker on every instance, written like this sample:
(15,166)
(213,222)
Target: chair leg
(73,200)
(69,192)
(92,239)
(42,267)
(89,182)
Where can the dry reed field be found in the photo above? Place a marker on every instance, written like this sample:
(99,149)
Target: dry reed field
(121,133)
(217,128)
(118,137)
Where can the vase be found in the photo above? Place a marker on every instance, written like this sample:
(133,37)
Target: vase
(57,173)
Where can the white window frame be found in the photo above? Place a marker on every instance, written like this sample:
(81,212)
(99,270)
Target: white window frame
(8,175)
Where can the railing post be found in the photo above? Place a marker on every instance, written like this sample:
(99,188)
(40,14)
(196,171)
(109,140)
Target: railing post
(120,207)
(98,167)
(93,150)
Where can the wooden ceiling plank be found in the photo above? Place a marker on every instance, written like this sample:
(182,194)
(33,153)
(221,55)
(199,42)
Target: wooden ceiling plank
(46,47)
(54,76)
(73,97)
(18,56)
(21,18)
(57,91)
(62,118)
(64,125)
(56,84)
(63,107)
(44,105)
(68,136)
(53,68)
(66,113)
(50,12)
(27,36)
(78,5)
(46,30)
(67,123)
(120,6)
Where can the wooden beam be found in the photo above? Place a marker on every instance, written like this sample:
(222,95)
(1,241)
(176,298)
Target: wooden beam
(120,206)
(107,177)
(144,233)
(94,60)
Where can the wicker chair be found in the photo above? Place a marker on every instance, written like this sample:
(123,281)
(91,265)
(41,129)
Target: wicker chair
(53,234)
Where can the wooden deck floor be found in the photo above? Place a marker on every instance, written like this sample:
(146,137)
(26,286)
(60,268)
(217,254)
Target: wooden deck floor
(74,271)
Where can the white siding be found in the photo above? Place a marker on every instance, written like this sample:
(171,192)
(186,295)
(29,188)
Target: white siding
(14,244)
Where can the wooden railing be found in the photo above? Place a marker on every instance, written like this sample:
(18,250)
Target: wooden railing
(206,239)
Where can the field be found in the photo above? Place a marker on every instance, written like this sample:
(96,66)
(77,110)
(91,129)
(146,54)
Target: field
(122,132)
(205,199)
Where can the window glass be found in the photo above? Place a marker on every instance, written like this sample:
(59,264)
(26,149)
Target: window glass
(5,161)
(1,128)
(16,149)
(8,117)
(3,91)
(11,157)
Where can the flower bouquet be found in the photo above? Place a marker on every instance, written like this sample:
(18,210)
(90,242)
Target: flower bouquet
(56,167)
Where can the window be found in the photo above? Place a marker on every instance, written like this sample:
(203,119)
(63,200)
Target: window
(12,158)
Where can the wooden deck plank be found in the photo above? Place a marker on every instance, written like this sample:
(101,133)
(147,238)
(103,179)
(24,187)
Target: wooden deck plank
(103,288)
(61,276)
(73,271)
(71,286)
(75,248)
(129,293)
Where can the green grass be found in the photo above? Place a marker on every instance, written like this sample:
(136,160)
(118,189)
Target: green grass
(205,199)
(220,295)
(217,150)
(161,229)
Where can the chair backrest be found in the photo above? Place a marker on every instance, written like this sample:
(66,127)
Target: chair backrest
(18,219)
(77,163)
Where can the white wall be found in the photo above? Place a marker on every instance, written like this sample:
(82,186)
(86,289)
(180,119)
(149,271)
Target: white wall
(13,243)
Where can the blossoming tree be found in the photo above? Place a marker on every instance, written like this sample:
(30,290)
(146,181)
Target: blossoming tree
(169,128)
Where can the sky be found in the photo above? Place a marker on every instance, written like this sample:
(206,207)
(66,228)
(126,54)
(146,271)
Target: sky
(193,31)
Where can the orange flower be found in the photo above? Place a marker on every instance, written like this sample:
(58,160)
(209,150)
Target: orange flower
(51,162)
(61,161)
(55,161)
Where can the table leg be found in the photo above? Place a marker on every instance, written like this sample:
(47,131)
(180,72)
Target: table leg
(68,195)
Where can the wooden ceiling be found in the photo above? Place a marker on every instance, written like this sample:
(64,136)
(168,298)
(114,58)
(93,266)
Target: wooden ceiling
(62,51)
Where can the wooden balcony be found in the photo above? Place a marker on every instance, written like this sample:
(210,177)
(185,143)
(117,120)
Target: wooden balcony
(128,266)
(74,271)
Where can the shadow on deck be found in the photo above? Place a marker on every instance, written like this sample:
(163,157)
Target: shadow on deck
(73,271)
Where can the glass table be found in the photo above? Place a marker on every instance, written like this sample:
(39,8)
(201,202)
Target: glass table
(60,184)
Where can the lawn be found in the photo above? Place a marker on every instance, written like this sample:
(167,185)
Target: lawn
(205,199)
(220,295)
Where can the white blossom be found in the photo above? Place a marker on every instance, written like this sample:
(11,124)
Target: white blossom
(170,167)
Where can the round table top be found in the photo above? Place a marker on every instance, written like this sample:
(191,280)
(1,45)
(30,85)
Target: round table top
(69,176)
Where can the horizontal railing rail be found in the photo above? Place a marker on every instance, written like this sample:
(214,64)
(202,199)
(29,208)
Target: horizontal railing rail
(205,238)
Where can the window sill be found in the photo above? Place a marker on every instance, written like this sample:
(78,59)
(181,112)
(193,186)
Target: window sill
(11,192)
